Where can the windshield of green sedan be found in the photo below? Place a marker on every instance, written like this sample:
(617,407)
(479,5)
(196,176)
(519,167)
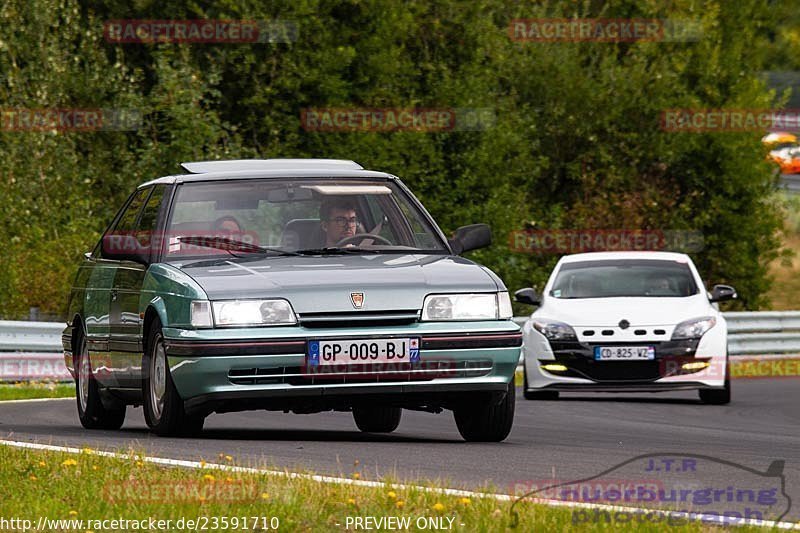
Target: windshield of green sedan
(289,216)
(624,278)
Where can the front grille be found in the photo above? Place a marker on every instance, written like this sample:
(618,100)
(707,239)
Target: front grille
(359,318)
(583,365)
(607,371)
(375,373)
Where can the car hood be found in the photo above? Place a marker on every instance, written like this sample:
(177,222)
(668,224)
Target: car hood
(324,284)
(598,312)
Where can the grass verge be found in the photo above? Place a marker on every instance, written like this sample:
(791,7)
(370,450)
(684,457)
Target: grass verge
(87,486)
(32,390)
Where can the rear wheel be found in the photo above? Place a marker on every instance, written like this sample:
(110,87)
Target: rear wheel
(377,419)
(537,394)
(91,411)
(487,422)
(163,406)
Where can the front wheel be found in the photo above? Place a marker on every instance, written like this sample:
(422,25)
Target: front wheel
(718,396)
(537,394)
(163,406)
(377,419)
(91,411)
(487,422)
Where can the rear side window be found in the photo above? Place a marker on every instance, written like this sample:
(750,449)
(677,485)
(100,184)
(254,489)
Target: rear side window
(151,209)
(127,221)
(146,228)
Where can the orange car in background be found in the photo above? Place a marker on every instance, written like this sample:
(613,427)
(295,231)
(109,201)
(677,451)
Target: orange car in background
(783,150)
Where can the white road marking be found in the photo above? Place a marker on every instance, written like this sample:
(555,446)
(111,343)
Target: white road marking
(695,517)
(30,400)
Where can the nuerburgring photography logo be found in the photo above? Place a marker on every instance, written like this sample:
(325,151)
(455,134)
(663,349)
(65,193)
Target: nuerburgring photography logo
(672,489)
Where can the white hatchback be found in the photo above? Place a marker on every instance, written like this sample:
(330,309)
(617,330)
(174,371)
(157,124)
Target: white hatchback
(626,321)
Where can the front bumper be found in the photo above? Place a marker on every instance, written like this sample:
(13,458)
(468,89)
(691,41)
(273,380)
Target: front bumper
(235,369)
(665,372)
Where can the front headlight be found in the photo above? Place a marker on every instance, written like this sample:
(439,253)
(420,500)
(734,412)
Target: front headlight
(554,330)
(492,306)
(252,313)
(694,328)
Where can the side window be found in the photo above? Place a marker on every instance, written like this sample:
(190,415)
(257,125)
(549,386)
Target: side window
(145,230)
(423,233)
(126,223)
(382,220)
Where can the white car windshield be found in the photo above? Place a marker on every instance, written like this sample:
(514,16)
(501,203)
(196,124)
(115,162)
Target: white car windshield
(624,278)
(298,215)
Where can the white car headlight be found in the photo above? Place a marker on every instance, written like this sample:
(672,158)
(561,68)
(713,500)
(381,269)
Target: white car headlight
(554,330)
(492,306)
(251,313)
(694,328)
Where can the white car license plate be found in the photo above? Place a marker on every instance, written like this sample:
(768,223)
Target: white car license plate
(624,353)
(363,351)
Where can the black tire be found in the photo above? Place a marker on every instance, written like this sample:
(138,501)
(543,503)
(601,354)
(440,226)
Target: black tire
(91,411)
(163,406)
(377,419)
(487,422)
(537,394)
(718,396)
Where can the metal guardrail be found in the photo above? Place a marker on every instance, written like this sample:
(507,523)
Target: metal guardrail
(763,332)
(790,183)
(30,336)
(32,350)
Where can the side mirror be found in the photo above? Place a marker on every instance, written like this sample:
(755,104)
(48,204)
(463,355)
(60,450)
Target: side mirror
(470,237)
(124,247)
(722,293)
(527,296)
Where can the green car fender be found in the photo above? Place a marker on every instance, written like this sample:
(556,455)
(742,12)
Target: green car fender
(168,293)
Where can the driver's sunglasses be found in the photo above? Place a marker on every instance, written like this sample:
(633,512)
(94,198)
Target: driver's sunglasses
(342,221)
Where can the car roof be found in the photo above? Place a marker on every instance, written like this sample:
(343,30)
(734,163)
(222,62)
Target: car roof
(601,256)
(269,168)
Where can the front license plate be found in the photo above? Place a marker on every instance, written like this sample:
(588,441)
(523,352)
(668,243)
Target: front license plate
(624,353)
(363,351)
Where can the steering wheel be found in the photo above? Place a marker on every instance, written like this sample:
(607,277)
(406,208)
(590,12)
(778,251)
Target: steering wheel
(362,236)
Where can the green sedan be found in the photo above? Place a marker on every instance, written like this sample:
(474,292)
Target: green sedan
(301,285)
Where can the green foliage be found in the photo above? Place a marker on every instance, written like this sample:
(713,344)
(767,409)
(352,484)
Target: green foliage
(576,143)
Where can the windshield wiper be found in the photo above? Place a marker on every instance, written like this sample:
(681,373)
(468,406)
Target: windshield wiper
(230,245)
(334,250)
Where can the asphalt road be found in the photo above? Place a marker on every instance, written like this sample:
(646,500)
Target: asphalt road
(575,438)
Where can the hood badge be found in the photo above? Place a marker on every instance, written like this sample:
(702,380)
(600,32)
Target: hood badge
(624,324)
(357,299)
